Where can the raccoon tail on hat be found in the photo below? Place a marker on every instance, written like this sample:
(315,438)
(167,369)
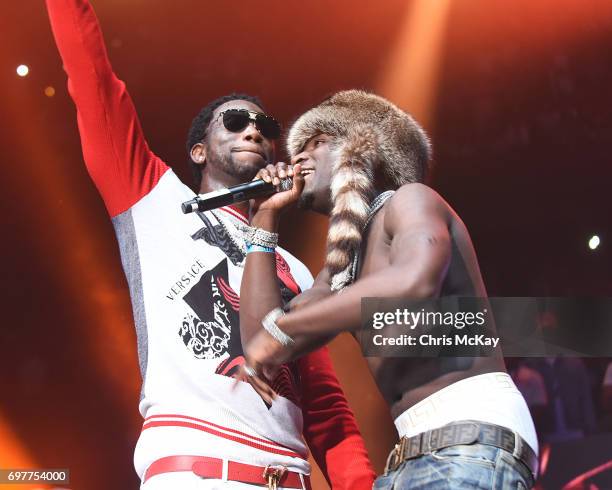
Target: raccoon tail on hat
(352,189)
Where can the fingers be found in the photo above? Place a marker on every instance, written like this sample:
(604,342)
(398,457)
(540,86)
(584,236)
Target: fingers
(264,174)
(275,173)
(298,178)
(270,372)
(262,388)
(261,174)
(282,170)
(254,378)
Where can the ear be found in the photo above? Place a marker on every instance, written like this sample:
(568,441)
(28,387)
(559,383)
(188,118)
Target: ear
(198,153)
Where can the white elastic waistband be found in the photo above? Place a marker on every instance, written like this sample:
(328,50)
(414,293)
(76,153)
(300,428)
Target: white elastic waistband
(491,397)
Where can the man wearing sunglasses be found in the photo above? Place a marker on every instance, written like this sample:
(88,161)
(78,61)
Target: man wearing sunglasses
(184,274)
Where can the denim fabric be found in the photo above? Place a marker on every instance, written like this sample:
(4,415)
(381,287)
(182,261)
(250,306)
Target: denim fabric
(475,466)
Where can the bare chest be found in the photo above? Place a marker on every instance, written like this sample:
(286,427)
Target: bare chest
(375,248)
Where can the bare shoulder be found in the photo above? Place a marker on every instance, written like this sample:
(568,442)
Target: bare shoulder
(416,193)
(416,202)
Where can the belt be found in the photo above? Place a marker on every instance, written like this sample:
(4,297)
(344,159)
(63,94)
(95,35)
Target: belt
(268,477)
(464,432)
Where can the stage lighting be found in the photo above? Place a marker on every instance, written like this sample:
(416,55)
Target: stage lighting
(49,91)
(594,242)
(22,70)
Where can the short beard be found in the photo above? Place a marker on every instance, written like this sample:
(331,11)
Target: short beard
(229,167)
(305,201)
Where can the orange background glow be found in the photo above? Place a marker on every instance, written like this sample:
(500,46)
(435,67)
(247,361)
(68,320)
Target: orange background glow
(516,97)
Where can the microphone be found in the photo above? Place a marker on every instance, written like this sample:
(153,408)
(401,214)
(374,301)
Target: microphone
(234,194)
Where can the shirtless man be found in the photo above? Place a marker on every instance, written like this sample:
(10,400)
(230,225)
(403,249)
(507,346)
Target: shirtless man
(461,421)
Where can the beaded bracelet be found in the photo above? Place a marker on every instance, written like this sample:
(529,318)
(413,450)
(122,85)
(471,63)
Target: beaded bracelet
(258,248)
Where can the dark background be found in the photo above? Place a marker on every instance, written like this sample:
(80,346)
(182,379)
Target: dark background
(515,95)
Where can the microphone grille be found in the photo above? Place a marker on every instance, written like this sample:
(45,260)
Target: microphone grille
(285,184)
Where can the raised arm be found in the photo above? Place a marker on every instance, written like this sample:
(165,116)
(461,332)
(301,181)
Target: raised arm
(329,424)
(115,151)
(259,290)
(416,219)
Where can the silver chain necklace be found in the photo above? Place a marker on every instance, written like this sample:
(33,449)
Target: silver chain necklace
(239,245)
(347,276)
(377,203)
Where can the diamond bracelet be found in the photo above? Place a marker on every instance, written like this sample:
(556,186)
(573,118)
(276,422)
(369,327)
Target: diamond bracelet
(257,236)
(269,323)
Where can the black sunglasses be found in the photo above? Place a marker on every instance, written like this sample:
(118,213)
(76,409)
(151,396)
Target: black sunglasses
(235,120)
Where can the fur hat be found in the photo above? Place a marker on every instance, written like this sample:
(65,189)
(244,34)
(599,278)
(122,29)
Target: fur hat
(370,134)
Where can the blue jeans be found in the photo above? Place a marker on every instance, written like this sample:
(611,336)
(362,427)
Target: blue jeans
(475,466)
